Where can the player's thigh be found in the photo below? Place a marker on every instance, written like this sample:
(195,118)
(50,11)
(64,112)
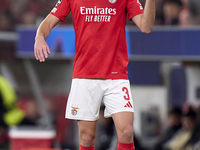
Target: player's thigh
(123,123)
(87,129)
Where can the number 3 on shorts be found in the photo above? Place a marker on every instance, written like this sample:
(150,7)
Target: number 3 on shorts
(125,90)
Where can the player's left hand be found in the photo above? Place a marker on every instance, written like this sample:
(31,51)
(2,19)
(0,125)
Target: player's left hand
(41,49)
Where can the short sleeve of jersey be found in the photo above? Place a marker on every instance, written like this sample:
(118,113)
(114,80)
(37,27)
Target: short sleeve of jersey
(61,10)
(133,7)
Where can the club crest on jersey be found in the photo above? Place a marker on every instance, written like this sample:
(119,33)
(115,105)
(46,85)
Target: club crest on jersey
(58,3)
(112,1)
(74,110)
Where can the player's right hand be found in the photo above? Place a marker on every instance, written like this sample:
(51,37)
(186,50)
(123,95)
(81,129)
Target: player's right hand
(41,49)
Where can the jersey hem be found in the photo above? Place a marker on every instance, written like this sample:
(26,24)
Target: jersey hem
(96,77)
(100,78)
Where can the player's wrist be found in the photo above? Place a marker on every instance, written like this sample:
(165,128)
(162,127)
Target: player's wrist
(39,37)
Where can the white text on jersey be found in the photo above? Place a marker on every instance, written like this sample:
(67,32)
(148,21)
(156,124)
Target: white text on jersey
(96,11)
(96,14)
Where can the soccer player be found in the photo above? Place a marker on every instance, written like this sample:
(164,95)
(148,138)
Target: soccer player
(100,64)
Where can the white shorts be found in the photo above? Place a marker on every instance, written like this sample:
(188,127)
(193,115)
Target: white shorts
(86,96)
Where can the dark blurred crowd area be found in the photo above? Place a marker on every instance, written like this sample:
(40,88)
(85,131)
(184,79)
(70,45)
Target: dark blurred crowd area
(23,12)
(183,130)
(22,110)
(31,12)
(182,13)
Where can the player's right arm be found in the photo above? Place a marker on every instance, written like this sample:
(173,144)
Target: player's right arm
(43,31)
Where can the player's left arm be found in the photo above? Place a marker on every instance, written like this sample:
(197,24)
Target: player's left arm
(145,21)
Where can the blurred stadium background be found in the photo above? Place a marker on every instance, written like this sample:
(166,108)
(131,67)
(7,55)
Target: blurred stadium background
(164,71)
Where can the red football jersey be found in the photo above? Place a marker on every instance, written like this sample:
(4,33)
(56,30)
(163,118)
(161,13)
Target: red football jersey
(100,37)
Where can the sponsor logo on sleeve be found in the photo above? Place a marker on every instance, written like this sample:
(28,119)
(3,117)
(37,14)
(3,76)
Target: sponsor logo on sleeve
(140,4)
(54,10)
(58,3)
